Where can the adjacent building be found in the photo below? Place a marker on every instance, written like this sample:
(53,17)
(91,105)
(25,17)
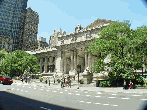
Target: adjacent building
(12,18)
(42,43)
(30,30)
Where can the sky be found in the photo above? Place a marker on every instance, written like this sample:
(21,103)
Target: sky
(66,14)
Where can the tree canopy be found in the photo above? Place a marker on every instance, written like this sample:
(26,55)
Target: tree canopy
(126,48)
(17,62)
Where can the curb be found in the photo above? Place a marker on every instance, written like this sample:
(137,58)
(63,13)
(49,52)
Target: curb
(74,87)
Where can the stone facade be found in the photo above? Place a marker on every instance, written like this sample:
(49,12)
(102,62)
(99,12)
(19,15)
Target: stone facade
(66,51)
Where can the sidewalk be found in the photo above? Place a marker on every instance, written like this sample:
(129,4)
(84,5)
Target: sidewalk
(98,89)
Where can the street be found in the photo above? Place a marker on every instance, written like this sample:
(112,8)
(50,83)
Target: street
(77,99)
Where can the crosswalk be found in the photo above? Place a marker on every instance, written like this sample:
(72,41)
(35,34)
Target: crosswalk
(100,95)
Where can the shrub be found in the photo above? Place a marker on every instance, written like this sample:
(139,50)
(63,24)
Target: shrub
(59,80)
(41,79)
(104,84)
(82,81)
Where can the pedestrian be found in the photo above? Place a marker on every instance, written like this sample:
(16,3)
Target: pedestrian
(54,79)
(70,83)
(22,79)
(131,85)
(124,84)
(49,81)
(26,79)
(46,81)
(29,78)
(61,83)
(64,82)
(67,83)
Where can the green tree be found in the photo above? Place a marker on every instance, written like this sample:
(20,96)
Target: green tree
(116,40)
(19,61)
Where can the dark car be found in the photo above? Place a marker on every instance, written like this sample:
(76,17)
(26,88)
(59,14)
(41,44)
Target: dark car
(6,79)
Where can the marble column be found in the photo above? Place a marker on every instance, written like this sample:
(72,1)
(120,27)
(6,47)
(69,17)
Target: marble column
(45,65)
(86,62)
(75,60)
(89,60)
(64,63)
(40,65)
(58,63)
(72,60)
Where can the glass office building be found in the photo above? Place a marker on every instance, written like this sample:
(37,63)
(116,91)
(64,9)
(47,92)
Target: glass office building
(12,20)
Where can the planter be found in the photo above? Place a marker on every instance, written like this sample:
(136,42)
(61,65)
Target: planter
(141,88)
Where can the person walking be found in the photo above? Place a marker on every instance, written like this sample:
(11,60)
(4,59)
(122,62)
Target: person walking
(61,83)
(54,79)
(22,79)
(49,81)
(131,85)
(124,84)
(28,79)
(46,81)
(70,83)
(64,82)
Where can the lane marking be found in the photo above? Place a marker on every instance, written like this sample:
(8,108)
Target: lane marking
(136,95)
(17,89)
(99,93)
(47,90)
(41,89)
(55,91)
(21,90)
(61,92)
(76,91)
(86,92)
(34,88)
(97,96)
(88,95)
(113,94)
(69,93)
(143,99)
(26,91)
(114,105)
(98,103)
(22,86)
(29,87)
(65,90)
(105,104)
(88,102)
(77,94)
(125,98)
(111,97)
(81,101)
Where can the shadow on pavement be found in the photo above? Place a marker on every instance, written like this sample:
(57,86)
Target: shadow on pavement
(10,101)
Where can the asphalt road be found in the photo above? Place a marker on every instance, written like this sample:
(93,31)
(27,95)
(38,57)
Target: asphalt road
(76,98)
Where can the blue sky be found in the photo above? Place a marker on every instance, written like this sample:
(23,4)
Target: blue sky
(67,14)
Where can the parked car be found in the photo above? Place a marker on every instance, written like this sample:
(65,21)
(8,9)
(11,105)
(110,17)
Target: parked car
(6,79)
